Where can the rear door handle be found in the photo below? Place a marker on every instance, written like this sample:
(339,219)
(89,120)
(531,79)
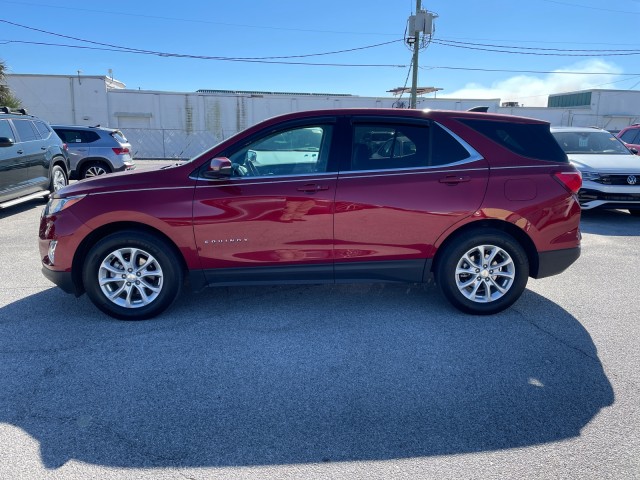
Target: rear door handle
(312,188)
(20,152)
(454,179)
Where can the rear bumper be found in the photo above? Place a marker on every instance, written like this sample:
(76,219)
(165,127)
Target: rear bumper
(556,261)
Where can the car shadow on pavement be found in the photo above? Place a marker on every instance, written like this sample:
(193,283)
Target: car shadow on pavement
(288,375)
(617,223)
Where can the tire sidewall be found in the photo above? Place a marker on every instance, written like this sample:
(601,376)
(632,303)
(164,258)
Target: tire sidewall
(445,271)
(53,176)
(86,168)
(158,248)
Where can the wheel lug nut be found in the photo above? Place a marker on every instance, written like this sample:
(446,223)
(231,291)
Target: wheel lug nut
(130,270)
(124,276)
(138,274)
(477,270)
(128,284)
(137,282)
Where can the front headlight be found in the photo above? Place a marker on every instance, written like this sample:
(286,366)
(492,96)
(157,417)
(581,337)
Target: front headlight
(56,205)
(587,175)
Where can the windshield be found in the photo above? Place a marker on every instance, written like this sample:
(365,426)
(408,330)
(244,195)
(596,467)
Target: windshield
(589,143)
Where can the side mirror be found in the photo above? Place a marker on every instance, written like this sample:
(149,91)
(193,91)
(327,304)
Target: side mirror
(634,151)
(219,167)
(6,142)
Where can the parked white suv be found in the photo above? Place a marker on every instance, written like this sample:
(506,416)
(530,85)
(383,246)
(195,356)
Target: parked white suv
(95,150)
(610,171)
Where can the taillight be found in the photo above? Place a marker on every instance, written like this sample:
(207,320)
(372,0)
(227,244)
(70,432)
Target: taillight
(120,151)
(572,181)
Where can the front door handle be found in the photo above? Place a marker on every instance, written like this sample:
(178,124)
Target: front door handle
(454,179)
(312,188)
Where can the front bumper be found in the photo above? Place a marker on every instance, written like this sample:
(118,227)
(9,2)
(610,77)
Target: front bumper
(64,280)
(595,195)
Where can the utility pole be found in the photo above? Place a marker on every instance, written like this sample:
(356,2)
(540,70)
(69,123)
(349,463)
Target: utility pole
(416,49)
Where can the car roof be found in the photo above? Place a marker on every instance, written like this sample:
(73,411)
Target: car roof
(85,127)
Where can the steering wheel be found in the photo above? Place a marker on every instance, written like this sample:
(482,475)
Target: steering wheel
(251,168)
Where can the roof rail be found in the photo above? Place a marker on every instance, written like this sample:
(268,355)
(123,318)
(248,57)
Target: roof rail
(22,111)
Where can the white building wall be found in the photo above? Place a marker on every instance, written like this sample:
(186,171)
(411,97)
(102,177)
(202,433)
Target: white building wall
(63,99)
(180,125)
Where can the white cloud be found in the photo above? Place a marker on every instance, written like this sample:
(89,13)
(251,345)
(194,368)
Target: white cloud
(532,91)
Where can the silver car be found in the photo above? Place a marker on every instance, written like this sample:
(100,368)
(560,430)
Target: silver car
(610,172)
(95,150)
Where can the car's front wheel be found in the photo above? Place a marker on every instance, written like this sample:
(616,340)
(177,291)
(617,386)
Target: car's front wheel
(132,275)
(483,272)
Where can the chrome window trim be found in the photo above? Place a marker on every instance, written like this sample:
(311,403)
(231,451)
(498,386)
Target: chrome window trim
(473,153)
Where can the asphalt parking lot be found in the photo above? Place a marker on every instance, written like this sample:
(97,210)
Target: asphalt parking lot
(340,382)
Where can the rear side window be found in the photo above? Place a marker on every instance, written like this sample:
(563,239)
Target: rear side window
(391,146)
(76,136)
(630,135)
(381,147)
(26,130)
(532,140)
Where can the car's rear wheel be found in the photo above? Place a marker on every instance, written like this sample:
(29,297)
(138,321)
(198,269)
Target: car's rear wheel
(132,275)
(634,212)
(483,272)
(95,169)
(59,179)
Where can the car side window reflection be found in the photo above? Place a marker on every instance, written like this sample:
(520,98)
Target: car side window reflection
(379,147)
(296,151)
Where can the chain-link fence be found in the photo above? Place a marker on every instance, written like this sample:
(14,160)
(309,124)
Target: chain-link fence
(168,143)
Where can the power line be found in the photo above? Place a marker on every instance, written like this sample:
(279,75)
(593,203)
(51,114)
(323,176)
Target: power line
(203,57)
(561,72)
(546,54)
(563,50)
(591,8)
(168,54)
(191,20)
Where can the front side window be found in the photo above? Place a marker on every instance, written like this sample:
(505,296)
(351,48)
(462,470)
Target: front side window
(300,150)
(5,130)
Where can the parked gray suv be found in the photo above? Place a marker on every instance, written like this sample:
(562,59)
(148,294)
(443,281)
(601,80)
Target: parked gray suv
(95,150)
(33,160)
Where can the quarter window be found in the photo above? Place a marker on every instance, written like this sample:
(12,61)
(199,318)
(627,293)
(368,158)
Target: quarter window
(43,129)
(300,150)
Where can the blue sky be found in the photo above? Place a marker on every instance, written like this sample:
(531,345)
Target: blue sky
(596,39)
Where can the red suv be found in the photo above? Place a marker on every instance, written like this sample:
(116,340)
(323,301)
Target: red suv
(479,201)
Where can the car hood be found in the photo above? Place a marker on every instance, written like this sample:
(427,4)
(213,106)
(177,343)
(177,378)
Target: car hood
(156,178)
(606,163)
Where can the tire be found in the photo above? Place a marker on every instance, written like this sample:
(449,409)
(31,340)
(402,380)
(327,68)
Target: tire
(59,179)
(132,275)
(94,169)
(475,287)
(634,212)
